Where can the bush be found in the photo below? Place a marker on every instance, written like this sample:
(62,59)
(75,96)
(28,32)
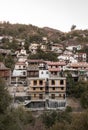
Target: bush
(68,109)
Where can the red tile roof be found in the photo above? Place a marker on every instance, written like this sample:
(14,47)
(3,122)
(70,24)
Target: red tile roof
(56,63)
(79,64)
(54,69)
(3,67)
(20,63)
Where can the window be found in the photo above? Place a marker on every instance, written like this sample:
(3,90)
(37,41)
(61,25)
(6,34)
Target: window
(47,72)
(53,82)
(40,96)
(46,88)
(6,78)
(53,96)
(61,82)
(23,66)
(64,96)
(40,82)
(42,72)
(24,73)
(62,88)
(34,95)
(59,95)
(53,88)
(56,66)
(35,82)
(34,88)
(55,73)
(41,88)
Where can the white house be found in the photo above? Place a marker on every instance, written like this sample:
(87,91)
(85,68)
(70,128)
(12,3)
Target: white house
(19,73)
(71,48)
(67,58)
(43,74)
(33,48)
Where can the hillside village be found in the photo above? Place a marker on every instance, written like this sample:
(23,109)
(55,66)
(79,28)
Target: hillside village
(36,71)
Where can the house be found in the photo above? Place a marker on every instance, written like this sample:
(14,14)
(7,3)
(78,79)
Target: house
(43,47)
(81,57)
(19,72)
(44,39)
(32,71)
(47,93)
(21,54)
(33,48)
(46,88)
(5,73)
(33,67)
(67,52)
(67,58)
(74,48)
(5,52)
(79,65)
(57,48)
(55,68)
(44,73)
(81,69)
(51,64)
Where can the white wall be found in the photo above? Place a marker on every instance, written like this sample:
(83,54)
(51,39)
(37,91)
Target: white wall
(19,73)
(43,74)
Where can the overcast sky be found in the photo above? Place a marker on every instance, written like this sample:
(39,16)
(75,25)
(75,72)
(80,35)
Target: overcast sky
(58,14)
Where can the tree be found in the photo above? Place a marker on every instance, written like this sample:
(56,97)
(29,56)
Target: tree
(5,98)
(70,84)
(50,118)
(79,121)
(27,43)
(59,126)
(1,58)
(73,27)
(16,119)
(84,50)
(84,99)
(9,61)
(12,45)
(43,55)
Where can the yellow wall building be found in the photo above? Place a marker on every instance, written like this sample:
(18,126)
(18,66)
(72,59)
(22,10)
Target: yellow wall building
(47,93)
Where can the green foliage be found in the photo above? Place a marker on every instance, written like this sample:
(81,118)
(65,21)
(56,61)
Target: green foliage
(21,31)
(5,40)
(79,88)
(84,99)
(75,89)
(70,84)
(27,43)
(50,118)
(10,45)
(35,38)
(44,55)
(73,27)
(13,45)
(9,61)
(17,119)
(59,126)
(68,109)
(79,121)
(4,97)
(1,58)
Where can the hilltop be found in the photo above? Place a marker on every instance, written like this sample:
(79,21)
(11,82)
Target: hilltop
(56,36)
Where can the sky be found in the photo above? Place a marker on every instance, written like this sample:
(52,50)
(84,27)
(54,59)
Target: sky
(57,14)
